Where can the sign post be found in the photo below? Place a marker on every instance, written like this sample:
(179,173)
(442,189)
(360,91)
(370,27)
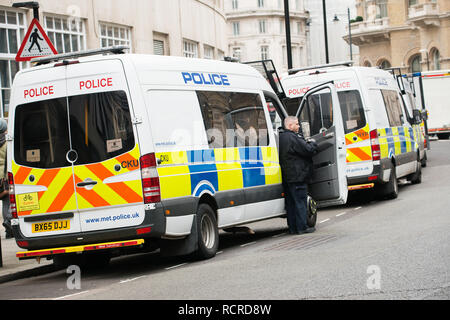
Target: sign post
(35,43)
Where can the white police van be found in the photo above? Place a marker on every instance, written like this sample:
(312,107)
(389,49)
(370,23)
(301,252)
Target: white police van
(139,151)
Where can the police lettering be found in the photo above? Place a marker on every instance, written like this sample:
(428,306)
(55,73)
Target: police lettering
(43,91)
(206,78)
(97,83)
(300,91)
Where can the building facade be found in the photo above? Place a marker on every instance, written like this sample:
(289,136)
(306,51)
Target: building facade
(337,25)
(165,27)
(411,34)
(256,30)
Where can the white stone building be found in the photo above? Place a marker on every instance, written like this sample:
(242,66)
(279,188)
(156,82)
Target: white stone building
(191,28)
(256,30)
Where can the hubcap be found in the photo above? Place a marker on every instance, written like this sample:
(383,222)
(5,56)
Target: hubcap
(207,230)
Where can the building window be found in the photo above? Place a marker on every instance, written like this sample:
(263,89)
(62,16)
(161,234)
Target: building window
(436,56)
(381,9)
(260,3)
(208,52)
(262,26)
(384,64)
(415,64)
(190,49)
(114,35)
(412,2)
(235,4)
(264,52)
(158,47)
(299,28)
(237,53)
(12,31)
(67,35)
(236,28)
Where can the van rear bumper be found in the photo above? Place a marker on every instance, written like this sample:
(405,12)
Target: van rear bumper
(380,174)
(154,222)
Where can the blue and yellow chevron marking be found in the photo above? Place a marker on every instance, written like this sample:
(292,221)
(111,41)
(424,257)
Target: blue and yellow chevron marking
(397,140)
(194,172)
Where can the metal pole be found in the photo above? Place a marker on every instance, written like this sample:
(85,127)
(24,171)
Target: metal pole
(288,33)
(350,34)
(325,30)
(29,4)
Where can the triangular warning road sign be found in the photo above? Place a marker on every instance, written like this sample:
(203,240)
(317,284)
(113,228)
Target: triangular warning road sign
(35,44)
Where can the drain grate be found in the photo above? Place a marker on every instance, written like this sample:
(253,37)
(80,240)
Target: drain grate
(301,242)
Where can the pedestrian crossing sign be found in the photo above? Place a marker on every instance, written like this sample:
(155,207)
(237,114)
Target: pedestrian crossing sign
(35,44)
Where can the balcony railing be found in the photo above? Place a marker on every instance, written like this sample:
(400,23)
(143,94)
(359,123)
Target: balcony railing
(370,26)
(423,10)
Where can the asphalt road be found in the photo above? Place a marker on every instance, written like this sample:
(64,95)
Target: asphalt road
(367,249)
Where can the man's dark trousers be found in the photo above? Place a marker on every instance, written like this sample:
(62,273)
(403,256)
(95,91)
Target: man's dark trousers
(296,202)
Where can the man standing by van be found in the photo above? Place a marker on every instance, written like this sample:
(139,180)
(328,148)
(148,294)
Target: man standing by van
(296,167)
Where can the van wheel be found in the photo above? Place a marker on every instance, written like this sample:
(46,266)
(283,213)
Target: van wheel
(390,189)
(312,212)
(424,160)
(416,177)
(207,232)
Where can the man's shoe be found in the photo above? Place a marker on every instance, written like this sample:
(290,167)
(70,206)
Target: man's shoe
(309,230)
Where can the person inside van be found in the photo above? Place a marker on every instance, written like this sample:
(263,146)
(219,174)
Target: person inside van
(4,192)
(296,167)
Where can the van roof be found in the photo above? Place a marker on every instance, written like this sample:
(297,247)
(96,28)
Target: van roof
(360,69)
(146,62)
(165,63)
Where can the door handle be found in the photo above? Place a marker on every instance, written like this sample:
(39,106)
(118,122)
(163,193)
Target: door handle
(86,183)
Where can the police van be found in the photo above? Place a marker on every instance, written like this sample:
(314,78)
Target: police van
(126,151)
(381,141)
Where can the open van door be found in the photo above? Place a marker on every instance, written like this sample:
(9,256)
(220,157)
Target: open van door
(320,118)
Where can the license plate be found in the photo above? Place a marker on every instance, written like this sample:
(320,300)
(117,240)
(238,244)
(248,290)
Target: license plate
(50,226)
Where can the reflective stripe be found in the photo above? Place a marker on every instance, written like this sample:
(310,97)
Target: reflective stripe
(74,249)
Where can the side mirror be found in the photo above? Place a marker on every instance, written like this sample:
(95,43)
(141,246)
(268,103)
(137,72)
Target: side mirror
(425,115)
(417,115)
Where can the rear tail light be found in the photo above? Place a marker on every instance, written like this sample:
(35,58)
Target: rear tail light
(150,179)
(12,196)
(375,144)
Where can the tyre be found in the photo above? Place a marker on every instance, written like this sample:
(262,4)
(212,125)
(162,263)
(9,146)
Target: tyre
(312,212)
(443,136)
(390,189)
(416,177)
(207,232)
(423,162)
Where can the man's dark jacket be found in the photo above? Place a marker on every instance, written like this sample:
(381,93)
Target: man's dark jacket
(296,157)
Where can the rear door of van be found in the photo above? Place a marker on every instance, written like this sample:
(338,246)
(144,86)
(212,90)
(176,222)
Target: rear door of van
(76,153)
(43,178)
(105,151)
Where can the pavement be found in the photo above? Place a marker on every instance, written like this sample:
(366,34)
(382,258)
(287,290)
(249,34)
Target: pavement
(13,268)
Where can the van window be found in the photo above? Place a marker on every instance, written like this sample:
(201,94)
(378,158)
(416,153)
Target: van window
(180,125)
(100,126)
(393,107)
(233,119)
(379,110)
(318,112)
(351,107)
(352,110)
(41,134)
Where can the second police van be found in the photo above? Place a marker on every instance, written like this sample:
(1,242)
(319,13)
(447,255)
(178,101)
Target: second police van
(382,135)
(136,151)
